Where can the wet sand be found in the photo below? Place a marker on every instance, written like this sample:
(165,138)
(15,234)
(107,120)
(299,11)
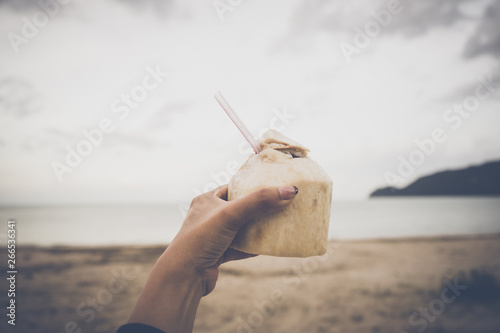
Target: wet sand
(445,284)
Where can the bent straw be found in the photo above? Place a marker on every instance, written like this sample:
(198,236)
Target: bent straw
(237,121)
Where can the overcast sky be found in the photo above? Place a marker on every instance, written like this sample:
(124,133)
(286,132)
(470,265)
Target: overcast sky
(280,64)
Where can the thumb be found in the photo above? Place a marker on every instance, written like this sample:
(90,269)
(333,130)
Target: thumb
(256,204)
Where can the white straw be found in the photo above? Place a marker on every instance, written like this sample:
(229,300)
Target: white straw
(237,121)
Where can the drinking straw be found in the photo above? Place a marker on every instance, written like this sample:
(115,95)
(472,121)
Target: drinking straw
(237,121)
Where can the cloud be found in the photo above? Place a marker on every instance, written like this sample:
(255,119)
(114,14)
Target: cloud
(340,17)
(485,41)
(486,38)
(418,17)
(20,5)
(350,116)
(18,98)
(134,140)
(165,116)
(162,8)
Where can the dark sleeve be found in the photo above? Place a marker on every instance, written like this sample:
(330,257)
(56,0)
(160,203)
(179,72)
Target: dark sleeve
(138,328)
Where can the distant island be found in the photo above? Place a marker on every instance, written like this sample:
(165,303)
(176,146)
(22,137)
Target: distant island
(482,180)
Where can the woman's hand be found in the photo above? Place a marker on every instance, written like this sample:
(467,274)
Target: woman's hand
(212,222)
(188,269)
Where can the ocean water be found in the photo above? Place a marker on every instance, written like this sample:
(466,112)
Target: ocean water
(158,224)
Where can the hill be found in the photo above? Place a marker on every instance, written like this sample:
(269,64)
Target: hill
(482,180)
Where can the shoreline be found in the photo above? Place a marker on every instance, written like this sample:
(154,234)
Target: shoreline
(463,237)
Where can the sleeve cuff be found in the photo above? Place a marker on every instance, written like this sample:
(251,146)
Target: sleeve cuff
(138,328)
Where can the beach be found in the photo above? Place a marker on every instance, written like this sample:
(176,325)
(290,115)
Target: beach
(434,284)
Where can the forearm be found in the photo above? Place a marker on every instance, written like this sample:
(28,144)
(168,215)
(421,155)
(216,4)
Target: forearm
(170,298)
(188,269)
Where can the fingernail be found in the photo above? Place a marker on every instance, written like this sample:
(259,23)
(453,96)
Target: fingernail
(288,192)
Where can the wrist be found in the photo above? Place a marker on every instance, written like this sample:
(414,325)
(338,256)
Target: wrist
(171,296)
(178,268)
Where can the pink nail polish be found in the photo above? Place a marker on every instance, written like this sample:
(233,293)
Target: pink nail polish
(288,192)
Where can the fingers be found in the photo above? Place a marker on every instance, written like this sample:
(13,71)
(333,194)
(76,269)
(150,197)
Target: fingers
(221,192)
(232,254)
(259,203)
(206,200)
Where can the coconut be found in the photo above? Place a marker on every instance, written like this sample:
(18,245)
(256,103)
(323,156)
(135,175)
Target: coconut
(301,228)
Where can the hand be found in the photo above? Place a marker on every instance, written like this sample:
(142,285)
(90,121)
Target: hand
(211,224)
(188,269)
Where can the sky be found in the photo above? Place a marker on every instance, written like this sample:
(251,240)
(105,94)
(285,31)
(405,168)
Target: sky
(381,92)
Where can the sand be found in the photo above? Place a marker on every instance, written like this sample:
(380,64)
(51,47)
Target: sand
(358,286)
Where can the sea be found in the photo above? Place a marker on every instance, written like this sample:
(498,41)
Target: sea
(158,224)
